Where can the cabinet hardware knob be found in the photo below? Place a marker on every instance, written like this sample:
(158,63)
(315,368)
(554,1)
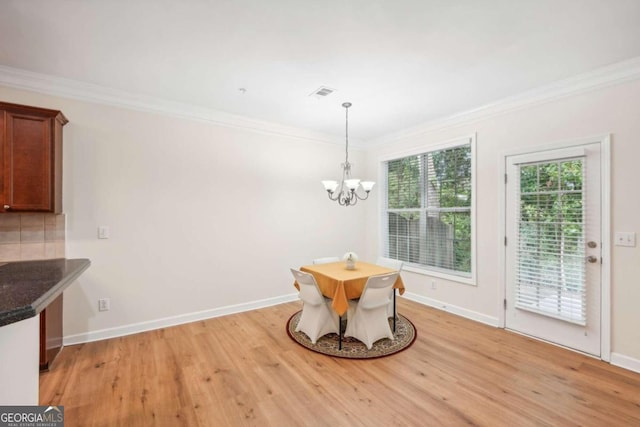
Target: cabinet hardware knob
(7,207)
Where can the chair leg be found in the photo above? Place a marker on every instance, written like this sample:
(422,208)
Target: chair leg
(339,332)
(394,311)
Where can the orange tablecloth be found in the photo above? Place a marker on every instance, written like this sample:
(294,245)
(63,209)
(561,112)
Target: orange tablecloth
(341,285)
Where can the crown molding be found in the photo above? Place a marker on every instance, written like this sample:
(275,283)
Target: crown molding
(88,92)
(609,75)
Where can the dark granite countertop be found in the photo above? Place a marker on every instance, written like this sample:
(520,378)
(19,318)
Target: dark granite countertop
(28,287)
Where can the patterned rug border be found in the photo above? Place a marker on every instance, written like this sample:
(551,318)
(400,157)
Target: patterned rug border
(315,349)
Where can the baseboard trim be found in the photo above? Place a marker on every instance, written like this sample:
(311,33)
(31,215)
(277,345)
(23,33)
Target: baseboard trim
(625,362)
(166,322)
(617,359)
(463,312)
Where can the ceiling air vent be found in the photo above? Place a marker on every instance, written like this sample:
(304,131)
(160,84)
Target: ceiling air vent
(322,92)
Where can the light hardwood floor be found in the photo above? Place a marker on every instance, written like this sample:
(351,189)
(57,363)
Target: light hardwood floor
(244,370)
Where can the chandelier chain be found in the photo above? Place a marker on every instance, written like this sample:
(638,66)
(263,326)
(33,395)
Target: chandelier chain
(346,132)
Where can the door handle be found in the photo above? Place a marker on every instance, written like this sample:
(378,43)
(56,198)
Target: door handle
(592,259)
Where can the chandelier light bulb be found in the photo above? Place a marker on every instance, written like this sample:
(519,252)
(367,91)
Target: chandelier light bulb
(367,185)
(330,186)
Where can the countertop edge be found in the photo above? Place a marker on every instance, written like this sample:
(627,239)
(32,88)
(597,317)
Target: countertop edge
(48,297)
(17,315)
(24,312)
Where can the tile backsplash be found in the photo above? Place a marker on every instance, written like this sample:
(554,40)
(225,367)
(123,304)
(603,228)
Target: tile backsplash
(29,236)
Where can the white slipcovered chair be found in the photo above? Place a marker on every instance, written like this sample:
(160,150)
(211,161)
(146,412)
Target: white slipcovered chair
(326,260)
(368,321)
(318,318)
(396,265)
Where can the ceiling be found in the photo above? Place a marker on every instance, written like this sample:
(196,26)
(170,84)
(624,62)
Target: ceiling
(401,63)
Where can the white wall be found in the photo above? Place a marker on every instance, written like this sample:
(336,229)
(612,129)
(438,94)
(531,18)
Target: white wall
(610,110)
(201,216)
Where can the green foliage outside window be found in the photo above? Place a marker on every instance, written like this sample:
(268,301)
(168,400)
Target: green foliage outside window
(403,183)
(551,213)
(429,209)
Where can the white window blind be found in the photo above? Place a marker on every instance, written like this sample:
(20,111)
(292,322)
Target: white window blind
(550,254)
(428,209)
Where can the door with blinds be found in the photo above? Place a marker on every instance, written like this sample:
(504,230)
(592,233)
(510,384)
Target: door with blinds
(553,246)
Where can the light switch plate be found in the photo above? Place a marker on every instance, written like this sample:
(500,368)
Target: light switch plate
(104,304)
(625,238)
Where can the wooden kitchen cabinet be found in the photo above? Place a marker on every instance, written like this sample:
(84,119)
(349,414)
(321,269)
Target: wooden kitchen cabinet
(50,332)
(30,159)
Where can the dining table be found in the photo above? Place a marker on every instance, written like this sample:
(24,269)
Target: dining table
(341,284)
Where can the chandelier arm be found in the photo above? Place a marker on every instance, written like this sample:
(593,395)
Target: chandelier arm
(341,188)
(366,195)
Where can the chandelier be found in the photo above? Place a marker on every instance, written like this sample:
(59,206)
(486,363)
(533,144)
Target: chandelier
(346,192)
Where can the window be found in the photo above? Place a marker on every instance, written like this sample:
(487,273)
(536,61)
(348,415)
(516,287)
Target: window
(428,214)
(550,275)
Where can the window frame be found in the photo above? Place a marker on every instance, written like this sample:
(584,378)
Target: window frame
(468,279)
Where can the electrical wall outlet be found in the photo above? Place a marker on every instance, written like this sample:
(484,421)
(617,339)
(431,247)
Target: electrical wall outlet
(433,285)
(103,232)
(104,304)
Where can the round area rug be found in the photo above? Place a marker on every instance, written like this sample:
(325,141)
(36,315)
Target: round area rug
(404,336)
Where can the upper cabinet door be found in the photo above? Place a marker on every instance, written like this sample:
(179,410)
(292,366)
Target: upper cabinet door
(32,159)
